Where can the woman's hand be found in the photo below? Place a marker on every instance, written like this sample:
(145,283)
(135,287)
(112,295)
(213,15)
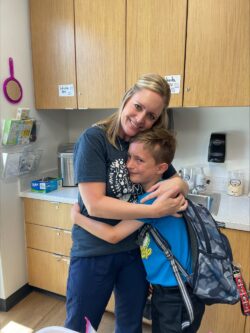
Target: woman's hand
(170,206)
(75,212)
(160,188)
(171,202)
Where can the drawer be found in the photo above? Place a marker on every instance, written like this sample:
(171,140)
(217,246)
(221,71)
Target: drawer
(48,213)
(48,239)
(47,271)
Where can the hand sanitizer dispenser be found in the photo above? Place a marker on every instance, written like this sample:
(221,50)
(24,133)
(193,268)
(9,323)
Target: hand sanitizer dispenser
(217,148)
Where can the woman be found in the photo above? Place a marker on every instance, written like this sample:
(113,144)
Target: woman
(97,267)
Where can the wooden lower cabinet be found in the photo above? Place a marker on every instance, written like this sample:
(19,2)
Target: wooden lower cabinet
(52,240)
(247,327)
(48,239)
(48,271)
(48,213)
(111,304)
(223,318)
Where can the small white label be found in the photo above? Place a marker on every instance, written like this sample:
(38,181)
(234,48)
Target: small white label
(174,82)
(66,90)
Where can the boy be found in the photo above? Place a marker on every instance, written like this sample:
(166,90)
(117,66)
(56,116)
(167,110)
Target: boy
(149,155)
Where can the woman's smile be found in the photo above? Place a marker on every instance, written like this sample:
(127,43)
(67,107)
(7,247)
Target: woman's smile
(140,113)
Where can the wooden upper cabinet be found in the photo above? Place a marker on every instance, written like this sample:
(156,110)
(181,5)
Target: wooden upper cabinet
(101,47)
(217,71)
(53,52)
(100,52)
(156,32)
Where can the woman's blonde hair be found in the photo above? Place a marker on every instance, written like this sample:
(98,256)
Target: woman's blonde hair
(153,82)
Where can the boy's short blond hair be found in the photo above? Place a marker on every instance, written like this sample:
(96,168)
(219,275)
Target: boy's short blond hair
(160,142)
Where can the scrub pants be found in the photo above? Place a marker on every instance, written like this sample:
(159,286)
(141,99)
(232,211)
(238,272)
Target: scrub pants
(91,281)
(169,311)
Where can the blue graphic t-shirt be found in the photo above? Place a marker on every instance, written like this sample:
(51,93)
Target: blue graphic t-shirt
(158,268)
(96,160)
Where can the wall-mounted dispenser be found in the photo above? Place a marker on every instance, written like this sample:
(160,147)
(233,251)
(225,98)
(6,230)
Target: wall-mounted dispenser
(217,148)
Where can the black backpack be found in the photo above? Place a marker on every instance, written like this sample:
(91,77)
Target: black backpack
(212,279)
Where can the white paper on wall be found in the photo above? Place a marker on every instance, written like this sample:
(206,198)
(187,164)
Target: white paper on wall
(174,82)
(66,90)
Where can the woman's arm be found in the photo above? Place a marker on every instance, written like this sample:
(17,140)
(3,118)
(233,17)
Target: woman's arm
(164,186)
(90,170)
(111,234)
(100,205)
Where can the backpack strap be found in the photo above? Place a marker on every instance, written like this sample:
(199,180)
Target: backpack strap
(244,298)
(176,267)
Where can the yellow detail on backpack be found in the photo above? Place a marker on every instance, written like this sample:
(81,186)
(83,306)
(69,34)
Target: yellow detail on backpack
(146,251)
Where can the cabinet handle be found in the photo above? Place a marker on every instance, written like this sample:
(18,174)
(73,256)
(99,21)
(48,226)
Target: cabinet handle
(66,260)
(55,203)
(57,231)
(188,89)
(66,232)
(57,257)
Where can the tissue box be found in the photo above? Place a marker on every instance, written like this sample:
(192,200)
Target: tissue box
(46,185)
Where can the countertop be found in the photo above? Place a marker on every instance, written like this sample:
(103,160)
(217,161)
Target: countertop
(64,195)
(233,211)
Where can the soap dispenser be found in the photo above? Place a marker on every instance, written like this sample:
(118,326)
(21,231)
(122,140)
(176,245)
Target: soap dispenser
(217,148)
(200,180)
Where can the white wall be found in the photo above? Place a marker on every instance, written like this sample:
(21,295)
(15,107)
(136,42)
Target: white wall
(193,127)
(15,43)
(78,120)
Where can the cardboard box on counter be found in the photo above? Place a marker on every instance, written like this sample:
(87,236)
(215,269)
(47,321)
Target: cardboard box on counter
(46,185)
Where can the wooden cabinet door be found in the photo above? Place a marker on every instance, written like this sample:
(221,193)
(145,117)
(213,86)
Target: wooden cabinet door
(217,70)
(156,31)
(111,304)
(47,213)
(100,52)
(240,243)
(48,239)
(221,318)
(53,52)
(47,271)
(247,327)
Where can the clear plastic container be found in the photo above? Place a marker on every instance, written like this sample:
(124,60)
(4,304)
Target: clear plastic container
(235,183)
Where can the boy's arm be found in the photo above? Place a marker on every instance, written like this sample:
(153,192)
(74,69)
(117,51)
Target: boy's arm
(111,234)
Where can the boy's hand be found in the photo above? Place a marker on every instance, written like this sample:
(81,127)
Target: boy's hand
(75,211)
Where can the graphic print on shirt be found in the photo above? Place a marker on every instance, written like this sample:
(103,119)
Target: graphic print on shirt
(146,251)
(120,183)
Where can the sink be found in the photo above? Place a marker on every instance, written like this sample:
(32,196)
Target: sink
(210,200)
